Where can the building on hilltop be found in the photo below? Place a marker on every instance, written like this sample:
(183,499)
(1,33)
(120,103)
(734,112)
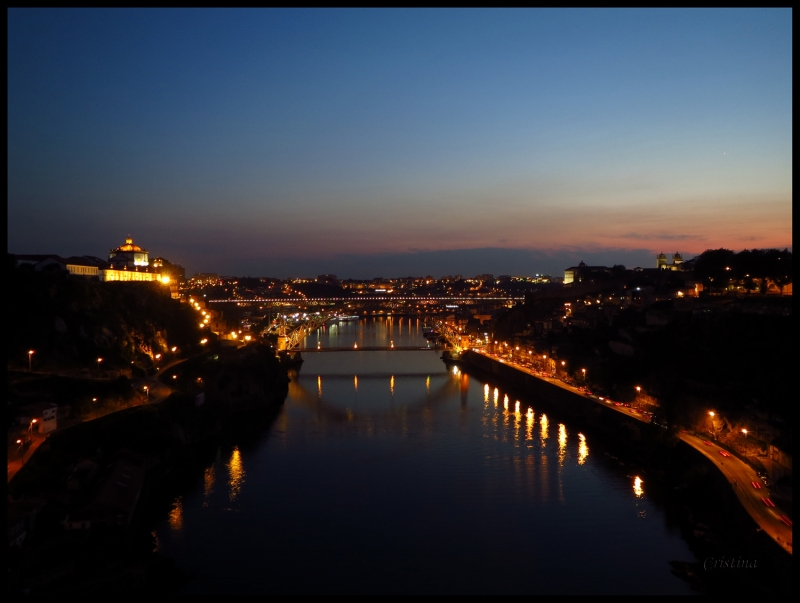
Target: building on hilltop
(583,273)
(128,256)
(175,272)
(677,261)
(129,262)
(78,265)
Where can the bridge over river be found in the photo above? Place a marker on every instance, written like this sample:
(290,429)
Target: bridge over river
(356,348)
(366,298)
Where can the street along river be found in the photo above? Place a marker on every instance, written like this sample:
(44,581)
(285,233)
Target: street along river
(388,472)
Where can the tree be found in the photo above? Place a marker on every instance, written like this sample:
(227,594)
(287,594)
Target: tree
(715,267)
(778,267)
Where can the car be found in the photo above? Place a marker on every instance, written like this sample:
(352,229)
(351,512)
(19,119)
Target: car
(706,442)
(756,485)
(768,502)
(786,520)
(725,453)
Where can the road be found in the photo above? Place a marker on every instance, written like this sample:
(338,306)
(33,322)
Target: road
(741,475)
(738,473)
(155,393)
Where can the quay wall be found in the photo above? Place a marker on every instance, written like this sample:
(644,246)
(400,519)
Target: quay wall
(626,431)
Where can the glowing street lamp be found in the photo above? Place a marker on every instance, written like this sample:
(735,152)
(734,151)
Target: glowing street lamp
(147,393)
(99,360)
(30,365)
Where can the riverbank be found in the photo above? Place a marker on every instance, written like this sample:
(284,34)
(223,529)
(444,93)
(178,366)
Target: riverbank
(714,522)
(82,505)
(627,430)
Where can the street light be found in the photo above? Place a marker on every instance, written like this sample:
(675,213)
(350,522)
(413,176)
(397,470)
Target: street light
(147,393)
(99,360)
(713,427)
(30,366)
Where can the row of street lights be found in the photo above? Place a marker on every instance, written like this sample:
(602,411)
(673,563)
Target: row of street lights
(531,360)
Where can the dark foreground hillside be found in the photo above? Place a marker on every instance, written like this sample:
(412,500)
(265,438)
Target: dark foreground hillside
(70,321)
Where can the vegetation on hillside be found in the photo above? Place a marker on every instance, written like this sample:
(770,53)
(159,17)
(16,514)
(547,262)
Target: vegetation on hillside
(70,321)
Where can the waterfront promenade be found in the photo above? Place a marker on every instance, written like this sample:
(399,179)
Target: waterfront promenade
(745,482)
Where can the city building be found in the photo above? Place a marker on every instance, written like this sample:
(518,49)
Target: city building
(129,262)
(79,265)
(583,273)
(128,256)
(677,261)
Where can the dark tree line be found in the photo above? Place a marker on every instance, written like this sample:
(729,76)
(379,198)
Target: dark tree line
(752,269)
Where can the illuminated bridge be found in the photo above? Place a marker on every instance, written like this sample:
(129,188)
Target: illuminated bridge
(361,298)
(384,348)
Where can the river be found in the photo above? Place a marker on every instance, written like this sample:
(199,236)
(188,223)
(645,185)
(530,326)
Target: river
(387,472)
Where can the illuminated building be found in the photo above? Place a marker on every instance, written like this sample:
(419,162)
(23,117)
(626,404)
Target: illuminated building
(128,256)
(129,262)
(661,262)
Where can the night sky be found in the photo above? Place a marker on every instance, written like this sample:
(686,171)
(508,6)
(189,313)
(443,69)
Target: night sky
(370,143)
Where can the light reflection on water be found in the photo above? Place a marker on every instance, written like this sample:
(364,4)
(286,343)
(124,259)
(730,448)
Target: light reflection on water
(236,474)
(427,485)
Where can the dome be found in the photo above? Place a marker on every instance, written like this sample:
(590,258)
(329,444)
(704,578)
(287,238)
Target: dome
(128,246)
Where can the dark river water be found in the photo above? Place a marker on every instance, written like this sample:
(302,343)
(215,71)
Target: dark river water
(385,472)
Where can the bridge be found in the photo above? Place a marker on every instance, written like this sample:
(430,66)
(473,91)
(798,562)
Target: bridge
(361,298)
(356,348)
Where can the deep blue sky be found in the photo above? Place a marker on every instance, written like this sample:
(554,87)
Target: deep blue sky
(383,142)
